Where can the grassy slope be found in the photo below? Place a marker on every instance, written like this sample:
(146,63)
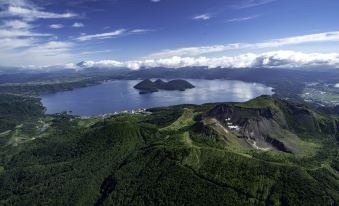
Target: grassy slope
(160,159)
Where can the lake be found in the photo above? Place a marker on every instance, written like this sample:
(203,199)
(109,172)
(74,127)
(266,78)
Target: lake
(119,95)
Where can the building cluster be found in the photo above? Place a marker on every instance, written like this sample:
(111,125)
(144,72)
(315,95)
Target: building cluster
(133,111)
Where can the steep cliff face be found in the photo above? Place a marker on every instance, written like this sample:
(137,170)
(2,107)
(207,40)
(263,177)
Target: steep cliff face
(275,125)
(263,128)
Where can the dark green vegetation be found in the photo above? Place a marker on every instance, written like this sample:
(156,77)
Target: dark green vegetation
(147,86)
(15,109)
(53,85)
(181,155)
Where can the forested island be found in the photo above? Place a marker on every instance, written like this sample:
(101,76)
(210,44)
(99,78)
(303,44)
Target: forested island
(147,86)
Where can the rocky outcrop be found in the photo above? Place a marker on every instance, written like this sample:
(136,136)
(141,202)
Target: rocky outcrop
(273,125)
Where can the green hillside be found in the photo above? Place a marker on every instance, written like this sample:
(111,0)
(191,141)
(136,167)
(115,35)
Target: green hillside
(16,109)
(281,154)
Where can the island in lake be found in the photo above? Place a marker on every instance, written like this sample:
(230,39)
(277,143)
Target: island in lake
(147,86)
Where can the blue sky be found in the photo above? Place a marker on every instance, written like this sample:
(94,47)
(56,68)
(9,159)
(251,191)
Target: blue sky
(149,33)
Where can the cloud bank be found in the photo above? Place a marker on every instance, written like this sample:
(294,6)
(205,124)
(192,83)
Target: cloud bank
(276,59)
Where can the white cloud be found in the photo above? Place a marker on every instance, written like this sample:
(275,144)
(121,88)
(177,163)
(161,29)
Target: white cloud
(15,43)
(251,3)
(29,11)
(109,35)
(56,26)
(202,17)
(196,51)
(33,13)
(16,24)
(277,59)
(15,29)
(242,19)
(78,25)
(10,33)
(311,38)
(16,34)
(139,31)
(49,53)
(23,3)
(21,44)
(189,51)
(155,1)
(336,85)
(19,33)
(95,52)
(102,64)
(51,48)
(106,35)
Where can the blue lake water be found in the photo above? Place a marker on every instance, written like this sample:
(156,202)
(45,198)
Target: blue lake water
(119,95)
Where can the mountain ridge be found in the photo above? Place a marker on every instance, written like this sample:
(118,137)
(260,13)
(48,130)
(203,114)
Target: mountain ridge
(171,156)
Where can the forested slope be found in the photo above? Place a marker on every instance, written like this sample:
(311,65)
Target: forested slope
(181,155)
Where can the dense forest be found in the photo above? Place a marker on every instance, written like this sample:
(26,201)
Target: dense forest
(180,155)
(15,109)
